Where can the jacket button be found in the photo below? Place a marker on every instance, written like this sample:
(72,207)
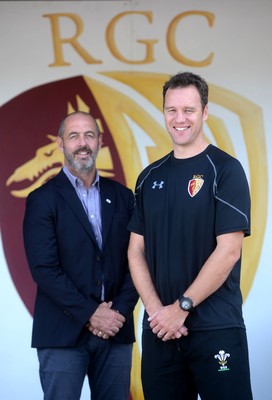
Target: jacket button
(98,258)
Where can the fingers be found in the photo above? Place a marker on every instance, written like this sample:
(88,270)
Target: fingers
(183,331)
(105,322)
(152,317)
(167,322)
(109,304)
(168,335)
(103,335)
(105,312)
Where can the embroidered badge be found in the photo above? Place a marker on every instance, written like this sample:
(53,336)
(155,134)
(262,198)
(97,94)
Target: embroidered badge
(195,185)
(222,360)
(158,185)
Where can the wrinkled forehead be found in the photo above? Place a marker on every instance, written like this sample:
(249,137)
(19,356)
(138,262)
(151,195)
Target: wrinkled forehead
(80,123)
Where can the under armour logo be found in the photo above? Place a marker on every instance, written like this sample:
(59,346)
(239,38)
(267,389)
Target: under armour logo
(159,185)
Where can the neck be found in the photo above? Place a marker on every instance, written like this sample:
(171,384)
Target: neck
(87,177)
(189,151)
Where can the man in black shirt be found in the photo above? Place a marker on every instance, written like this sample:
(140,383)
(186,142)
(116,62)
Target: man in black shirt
(192,213)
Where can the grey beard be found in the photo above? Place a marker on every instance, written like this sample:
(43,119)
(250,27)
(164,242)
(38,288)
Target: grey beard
(81,166)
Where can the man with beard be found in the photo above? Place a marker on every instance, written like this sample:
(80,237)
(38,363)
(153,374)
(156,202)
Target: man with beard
(76,244)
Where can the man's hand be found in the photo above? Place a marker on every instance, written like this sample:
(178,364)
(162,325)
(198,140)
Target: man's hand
(105,322)
(168,322)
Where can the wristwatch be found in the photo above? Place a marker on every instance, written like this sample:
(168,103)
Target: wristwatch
(186,304)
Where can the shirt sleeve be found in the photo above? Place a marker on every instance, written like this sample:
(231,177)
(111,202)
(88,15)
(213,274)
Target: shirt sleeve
(136,222)
(232,199)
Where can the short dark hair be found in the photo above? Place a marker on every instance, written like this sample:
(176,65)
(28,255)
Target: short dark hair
(61,127)
(185,79)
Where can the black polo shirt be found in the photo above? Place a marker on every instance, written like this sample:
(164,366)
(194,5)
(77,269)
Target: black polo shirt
(182,205)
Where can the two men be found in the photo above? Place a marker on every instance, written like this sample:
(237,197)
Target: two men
(76,238)
(192,213)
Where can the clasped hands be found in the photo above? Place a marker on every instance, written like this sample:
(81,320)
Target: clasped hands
(105,321)
(168,322)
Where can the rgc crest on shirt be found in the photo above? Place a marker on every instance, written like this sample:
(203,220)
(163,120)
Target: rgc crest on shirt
(195,185)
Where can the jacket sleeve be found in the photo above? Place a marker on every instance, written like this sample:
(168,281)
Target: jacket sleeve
(42,251)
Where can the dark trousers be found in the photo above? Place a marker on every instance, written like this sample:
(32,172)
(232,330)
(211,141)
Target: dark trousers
(213,364)
(106,363)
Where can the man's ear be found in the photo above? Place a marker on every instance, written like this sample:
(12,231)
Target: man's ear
(100,140)
(205,113)
(60,143)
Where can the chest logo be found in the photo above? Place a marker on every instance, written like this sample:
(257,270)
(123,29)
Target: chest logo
(158,185)
(195,185)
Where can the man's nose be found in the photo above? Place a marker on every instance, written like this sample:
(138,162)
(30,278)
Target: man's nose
(82,139)
(180,116)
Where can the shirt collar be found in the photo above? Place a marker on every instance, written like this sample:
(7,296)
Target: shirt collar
(75,181)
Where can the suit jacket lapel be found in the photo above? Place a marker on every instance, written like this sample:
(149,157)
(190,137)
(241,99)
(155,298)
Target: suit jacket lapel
(70,196)
(107,206)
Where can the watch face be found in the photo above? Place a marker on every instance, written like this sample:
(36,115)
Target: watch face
(186,304)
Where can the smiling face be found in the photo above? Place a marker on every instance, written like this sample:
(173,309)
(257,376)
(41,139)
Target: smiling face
(184,118)
(80,143)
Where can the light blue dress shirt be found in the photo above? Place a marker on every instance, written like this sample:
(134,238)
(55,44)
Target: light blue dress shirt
(91,202)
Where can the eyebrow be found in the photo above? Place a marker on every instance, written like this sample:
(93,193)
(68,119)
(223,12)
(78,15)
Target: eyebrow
(184,108)
(88,131)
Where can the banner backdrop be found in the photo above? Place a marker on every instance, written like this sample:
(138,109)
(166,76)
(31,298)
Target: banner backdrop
(111,58)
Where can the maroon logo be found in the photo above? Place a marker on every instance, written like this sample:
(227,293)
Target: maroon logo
(30,157)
